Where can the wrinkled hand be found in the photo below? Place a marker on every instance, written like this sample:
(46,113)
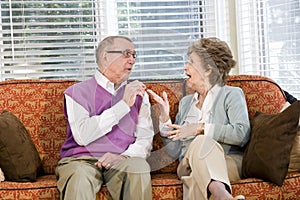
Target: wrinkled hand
(181,132)
(163,103)
(108,160)
(133,89)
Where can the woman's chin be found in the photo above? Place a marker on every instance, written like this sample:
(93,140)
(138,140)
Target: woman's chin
(188,82)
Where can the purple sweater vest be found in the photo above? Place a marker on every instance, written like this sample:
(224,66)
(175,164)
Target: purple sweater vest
(95,99)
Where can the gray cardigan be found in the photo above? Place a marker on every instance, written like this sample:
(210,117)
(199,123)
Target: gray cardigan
(228,118)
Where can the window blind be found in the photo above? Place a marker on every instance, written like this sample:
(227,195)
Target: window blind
(57,39)
(162,31)
(269,41)
(47,39)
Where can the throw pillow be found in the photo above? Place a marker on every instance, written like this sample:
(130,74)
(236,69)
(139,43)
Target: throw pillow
(267,154)
(294,165)
(19,158)
(2,178)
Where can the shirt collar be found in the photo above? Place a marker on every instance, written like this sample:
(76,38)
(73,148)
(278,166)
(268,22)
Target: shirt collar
(105,83)
(212,92)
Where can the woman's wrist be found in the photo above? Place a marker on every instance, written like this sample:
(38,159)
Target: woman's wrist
(164,118)
(200,129)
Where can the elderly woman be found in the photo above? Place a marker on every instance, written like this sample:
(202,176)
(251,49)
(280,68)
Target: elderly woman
(211,127)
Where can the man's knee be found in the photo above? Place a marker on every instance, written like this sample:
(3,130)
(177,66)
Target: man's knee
(76,173)
(135,165)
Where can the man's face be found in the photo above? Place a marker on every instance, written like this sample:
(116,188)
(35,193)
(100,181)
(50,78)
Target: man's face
(116,66)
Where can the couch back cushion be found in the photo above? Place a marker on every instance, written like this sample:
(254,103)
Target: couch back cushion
(262,93)
(39,106)
(159,159)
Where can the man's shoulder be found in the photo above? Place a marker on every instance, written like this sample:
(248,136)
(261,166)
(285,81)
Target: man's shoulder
(81,86)
(85,82)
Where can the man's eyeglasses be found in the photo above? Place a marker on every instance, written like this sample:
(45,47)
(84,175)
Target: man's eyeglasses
(126,53)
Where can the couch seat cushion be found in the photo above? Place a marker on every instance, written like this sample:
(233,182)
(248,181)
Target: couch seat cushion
(254,188)
(43,188)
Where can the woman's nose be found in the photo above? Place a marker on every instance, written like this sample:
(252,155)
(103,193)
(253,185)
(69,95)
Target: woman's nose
(185,67)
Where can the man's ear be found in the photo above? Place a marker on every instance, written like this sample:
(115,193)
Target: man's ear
(104,56)
(104,60)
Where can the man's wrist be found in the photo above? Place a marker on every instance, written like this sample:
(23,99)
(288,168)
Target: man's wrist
(125,156)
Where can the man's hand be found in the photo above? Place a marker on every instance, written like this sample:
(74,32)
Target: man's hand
(132,90)
(108,160)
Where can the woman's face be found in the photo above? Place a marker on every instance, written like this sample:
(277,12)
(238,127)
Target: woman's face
(194,69)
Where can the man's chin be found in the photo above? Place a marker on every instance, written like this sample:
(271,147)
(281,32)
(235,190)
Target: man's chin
(124,78)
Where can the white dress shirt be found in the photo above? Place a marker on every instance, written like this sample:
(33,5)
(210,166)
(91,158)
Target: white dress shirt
(86,129)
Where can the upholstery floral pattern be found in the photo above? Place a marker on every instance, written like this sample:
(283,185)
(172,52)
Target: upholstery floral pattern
(262,95)
(159,160)
(255,189)
(43,188)
(39,105)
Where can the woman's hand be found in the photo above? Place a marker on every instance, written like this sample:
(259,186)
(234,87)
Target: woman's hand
(185,131)
(163,103)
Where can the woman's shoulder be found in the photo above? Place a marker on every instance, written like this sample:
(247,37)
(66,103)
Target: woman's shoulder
(233,92)
(230,88)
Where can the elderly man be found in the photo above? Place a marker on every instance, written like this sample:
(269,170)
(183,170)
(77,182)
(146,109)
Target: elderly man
(109,132)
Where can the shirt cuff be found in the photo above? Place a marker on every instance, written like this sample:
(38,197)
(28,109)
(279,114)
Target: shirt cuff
(208,130)
(164,128)
(120,109)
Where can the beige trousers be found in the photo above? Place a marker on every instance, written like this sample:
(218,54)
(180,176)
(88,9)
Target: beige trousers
(80,179)
(205,161)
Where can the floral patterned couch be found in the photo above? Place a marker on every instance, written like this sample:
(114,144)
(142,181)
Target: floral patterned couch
(38,104)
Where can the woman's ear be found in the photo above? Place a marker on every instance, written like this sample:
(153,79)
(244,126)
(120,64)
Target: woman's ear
(208,71)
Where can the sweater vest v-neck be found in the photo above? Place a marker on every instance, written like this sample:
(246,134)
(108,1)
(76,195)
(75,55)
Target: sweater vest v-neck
(95,99)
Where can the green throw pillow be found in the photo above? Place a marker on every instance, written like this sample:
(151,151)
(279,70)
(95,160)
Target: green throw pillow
(19,159)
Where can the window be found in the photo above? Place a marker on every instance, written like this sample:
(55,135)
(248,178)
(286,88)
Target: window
(47,39)
(269,41)
(162,31)
(57,39)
